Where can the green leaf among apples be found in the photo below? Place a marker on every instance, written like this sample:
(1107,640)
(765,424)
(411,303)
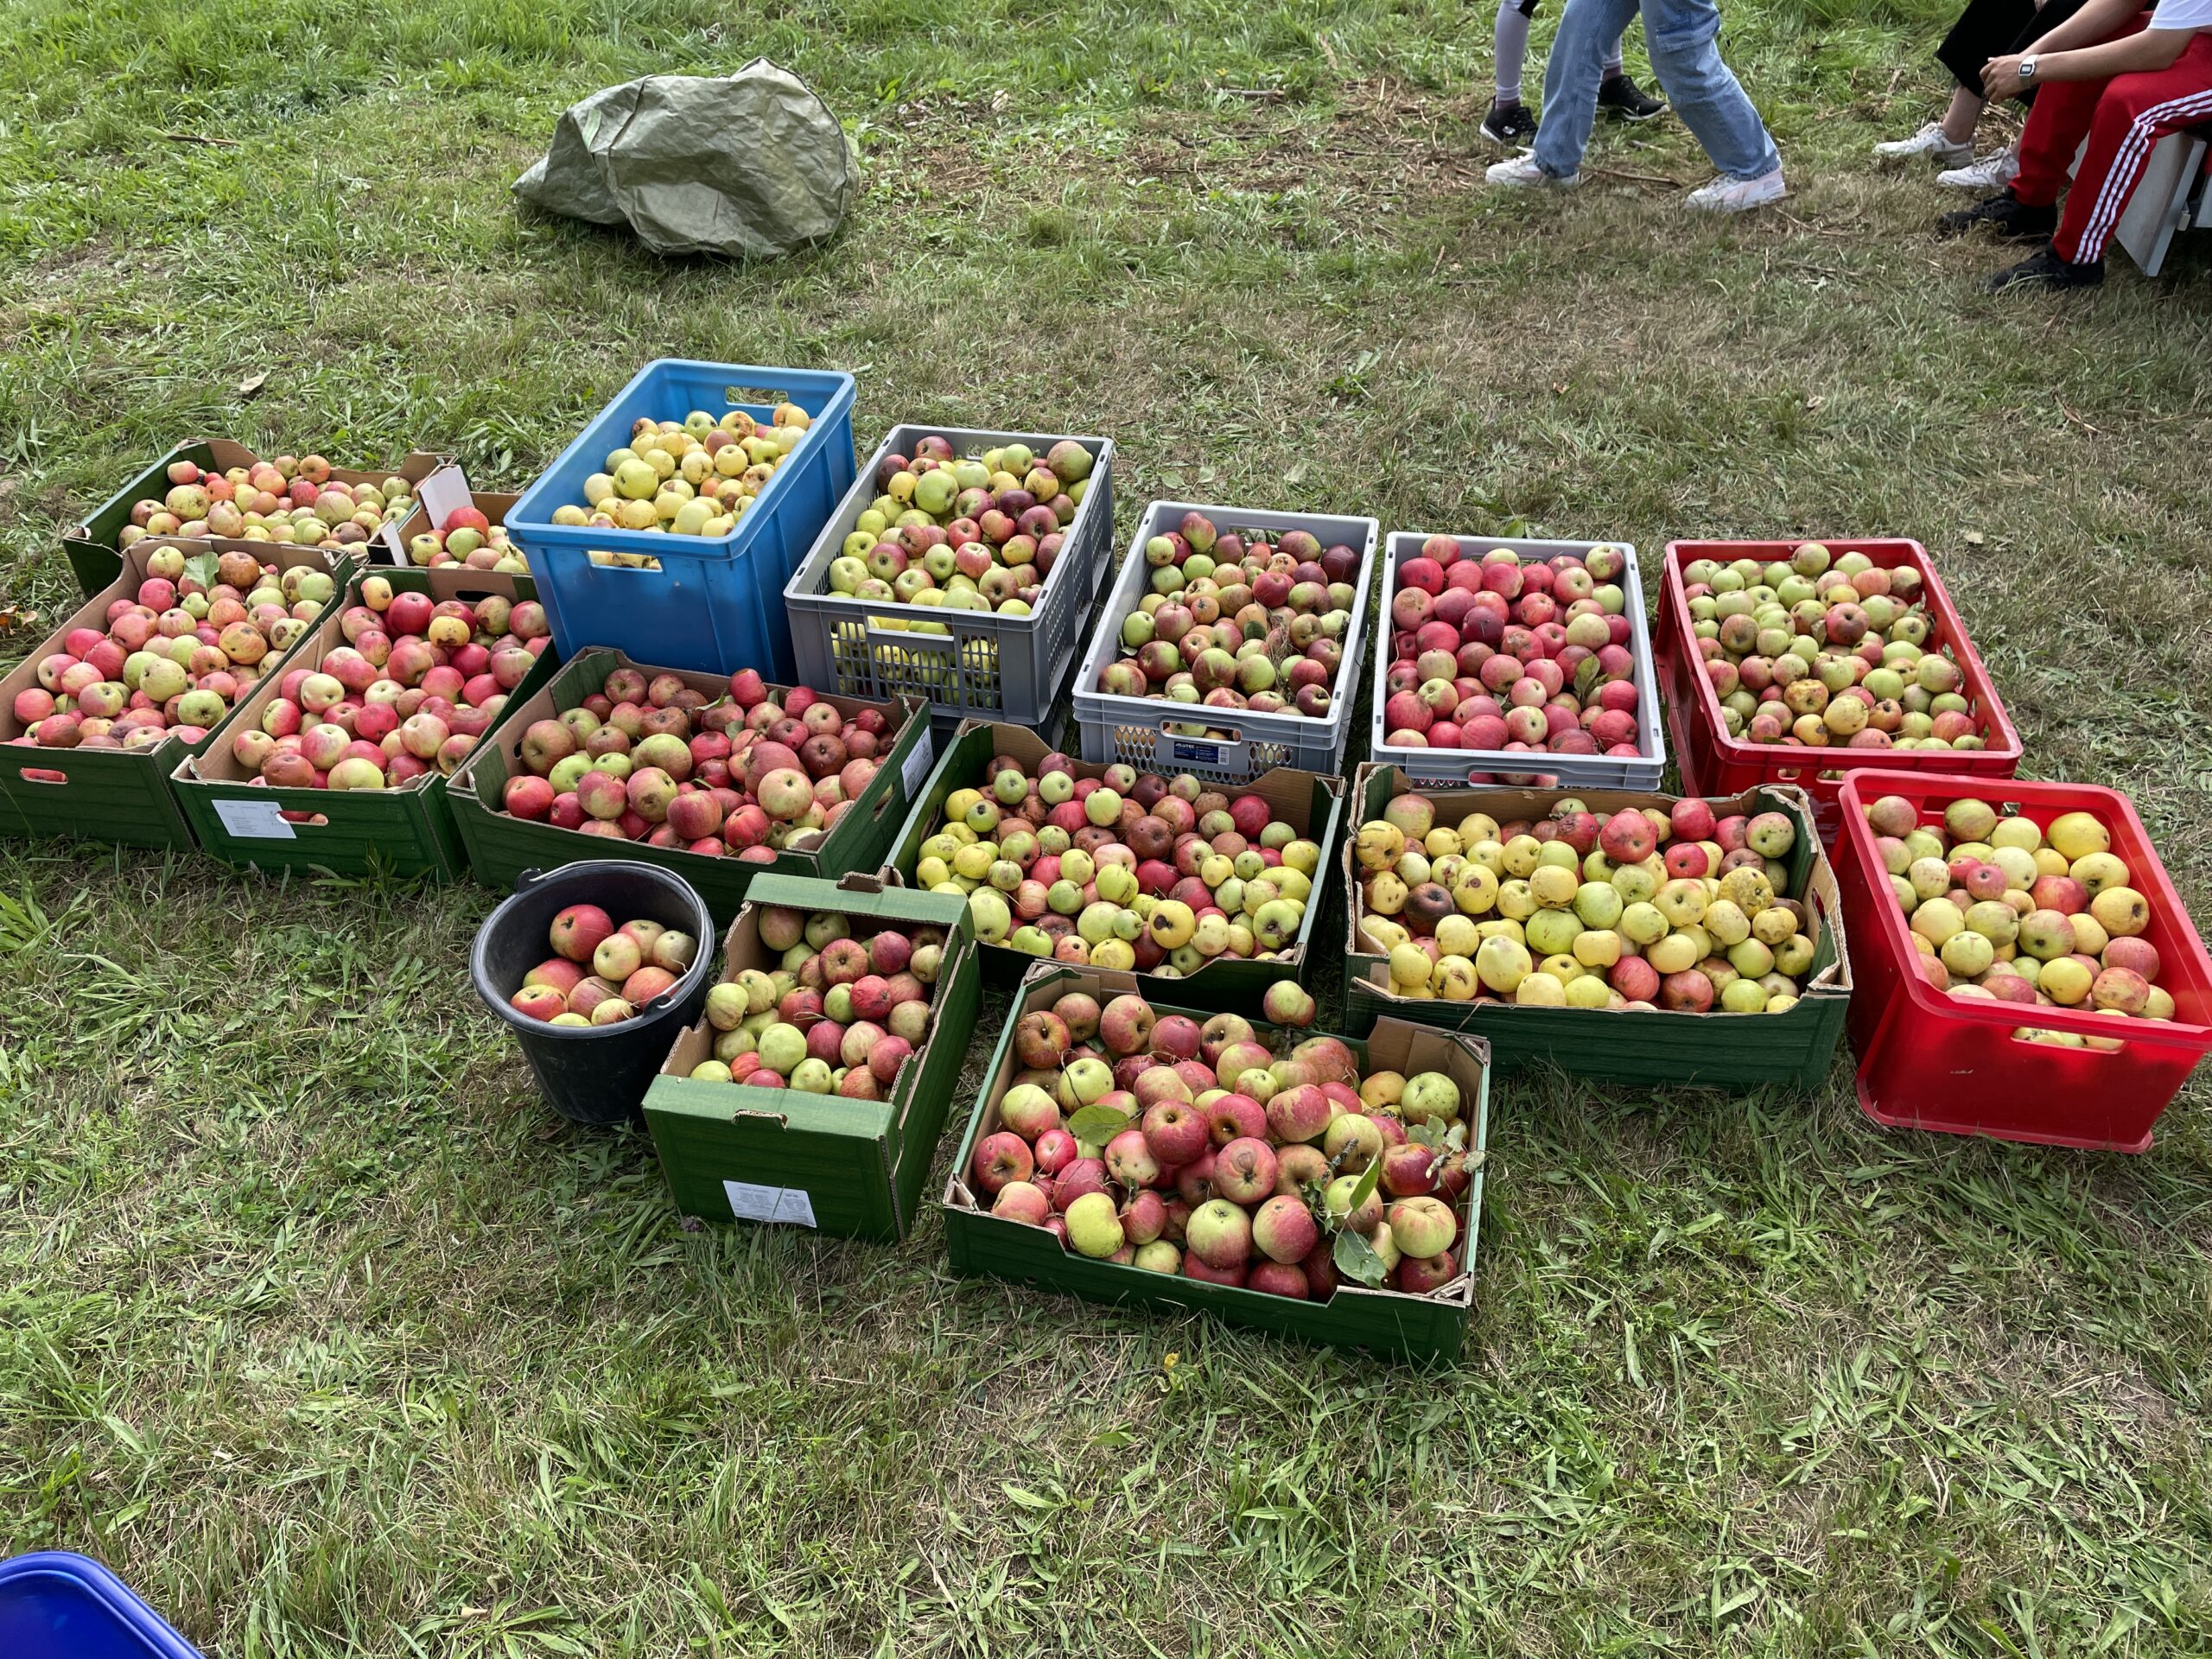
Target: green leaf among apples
(1355,1258)
(1098,1124)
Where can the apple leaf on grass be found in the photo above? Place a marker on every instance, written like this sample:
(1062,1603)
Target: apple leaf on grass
(1098,1124)
(1356,1259)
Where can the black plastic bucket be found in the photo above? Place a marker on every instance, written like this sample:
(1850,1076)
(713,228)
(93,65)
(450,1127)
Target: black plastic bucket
(593,1074)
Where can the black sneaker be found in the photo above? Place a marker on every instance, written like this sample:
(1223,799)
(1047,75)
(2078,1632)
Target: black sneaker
(2011,218)
(1624,100)
(2046,269)
(1510,124)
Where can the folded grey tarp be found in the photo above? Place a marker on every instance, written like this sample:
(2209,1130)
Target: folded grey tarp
(754,166)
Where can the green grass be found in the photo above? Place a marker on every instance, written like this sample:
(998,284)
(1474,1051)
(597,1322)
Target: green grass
(316,1326)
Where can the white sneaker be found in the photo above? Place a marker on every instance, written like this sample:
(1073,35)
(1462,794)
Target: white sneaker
(1727,196)
(1929,141)
(1992,172)
(1523,170)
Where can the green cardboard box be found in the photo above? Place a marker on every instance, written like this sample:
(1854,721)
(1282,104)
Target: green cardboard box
(1625,1045)
(1387,1321)
(125,796)
(91,545)
(851,1167)
(1310,803)
(500,847)
(407,831)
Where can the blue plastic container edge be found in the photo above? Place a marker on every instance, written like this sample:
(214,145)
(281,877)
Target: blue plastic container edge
(132,1615)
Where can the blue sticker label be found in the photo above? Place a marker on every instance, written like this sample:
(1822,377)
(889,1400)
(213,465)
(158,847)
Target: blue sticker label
(1209,753)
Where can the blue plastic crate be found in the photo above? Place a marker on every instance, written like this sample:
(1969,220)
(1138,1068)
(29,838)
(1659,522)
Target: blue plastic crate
(716,604)
(56,1606)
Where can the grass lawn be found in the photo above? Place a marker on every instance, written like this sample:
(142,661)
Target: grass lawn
(318,1326)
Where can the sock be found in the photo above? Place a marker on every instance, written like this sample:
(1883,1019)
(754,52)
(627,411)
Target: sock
(1511,42)
(1613,58)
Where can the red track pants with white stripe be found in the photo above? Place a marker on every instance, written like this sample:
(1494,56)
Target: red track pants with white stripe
(2122,118)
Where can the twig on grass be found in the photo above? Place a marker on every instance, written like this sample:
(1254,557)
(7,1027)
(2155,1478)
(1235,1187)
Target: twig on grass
(2077,420)
(1634,178)
(1264,94)
(201,138)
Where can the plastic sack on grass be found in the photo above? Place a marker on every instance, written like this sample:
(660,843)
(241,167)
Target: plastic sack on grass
(754,166)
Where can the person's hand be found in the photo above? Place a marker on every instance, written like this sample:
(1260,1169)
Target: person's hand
(2000,77)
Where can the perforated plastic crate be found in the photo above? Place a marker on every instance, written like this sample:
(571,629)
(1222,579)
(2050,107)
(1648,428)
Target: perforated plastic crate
(714,604)
(1460,766)
(1930,1060)
(1713,763)
(1235,746)
(983,665)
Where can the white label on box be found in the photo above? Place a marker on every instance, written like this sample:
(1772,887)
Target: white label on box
(444,491)
(787,1203)
(259,820)
(916,771)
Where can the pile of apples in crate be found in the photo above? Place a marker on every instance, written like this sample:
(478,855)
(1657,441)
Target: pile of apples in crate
(838,1015)
(1644,909)
(2001,908)
(1179,1147)
(289,500)
(1823,652)
(1128,870)
(693,476)
(467,537)
(1234,620)
(172,661)
(659,761)
(416,684)
(1503,653)
(600,974)
(963,533)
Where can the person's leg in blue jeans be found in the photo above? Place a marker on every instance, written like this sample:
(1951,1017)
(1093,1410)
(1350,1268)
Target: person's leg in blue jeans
(1587,30)
(1681,35)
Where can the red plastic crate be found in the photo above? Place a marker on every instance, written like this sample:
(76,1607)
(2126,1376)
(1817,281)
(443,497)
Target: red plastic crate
(1929,1060)
(1713,763)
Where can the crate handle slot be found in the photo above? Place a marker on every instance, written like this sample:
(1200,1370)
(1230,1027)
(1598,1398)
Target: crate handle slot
(656,568)
(42,775)
(303,819)
(735,395)
(2106,1054)
(941,644)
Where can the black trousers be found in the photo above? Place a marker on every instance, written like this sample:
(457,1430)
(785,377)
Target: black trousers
(1995,28)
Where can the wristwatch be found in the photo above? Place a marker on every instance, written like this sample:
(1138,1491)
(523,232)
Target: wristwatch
(2027,70)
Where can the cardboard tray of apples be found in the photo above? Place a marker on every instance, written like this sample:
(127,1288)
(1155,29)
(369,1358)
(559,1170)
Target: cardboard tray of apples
(843,1153)
(454,524)
(506,833)
(1690,1038)
(1240,979)
(115,788)
(1297,1237)
(382,803)
(94,546)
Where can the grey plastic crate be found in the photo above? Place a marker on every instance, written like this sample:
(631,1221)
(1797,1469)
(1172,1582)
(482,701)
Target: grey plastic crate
(984,666)
(1137,729)
(1572,771)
